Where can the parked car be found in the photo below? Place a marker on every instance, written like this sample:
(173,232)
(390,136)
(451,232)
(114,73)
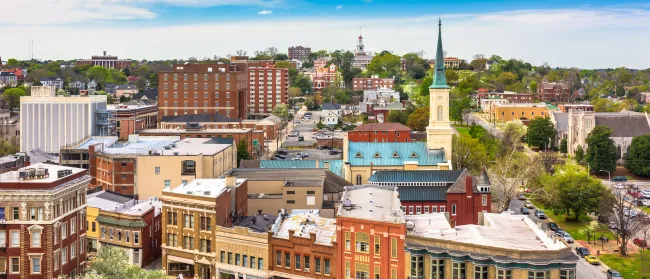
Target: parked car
(552,226)
(619,178)
(592,260)
(613,274)
(524,210)
(529,205)
(282,152)
(582,251)
(323,147)
(280,156)
(540,214)
(521,197)
(640,242)
(335,151)
(567,237)
(297,159)
(302,155)
(338,130)
(612,225)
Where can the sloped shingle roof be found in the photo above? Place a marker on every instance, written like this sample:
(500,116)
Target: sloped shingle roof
(331,106)
(624,125)
(422,193)
(416,176)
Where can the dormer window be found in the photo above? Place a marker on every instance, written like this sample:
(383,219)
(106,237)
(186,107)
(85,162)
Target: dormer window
(414,155)
(395,155)
(377,155)
(358,155)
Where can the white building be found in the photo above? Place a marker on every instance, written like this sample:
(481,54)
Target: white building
(487,104)
(361,57)
(49,122)
(331,113)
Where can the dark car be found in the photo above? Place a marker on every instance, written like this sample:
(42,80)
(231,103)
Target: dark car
(524,210)
(280,156)
(582,251)
(282,152)
(335,151)
(619,178)
(521,197)
(552,226)
(323,147)
(613,274)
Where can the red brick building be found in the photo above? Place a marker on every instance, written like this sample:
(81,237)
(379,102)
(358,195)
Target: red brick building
(380,132)
(131,118)
(430,191)
(269,87)
(371,232)
(554,92)
(43,228)
(269,125)
(197,131)
(372,83)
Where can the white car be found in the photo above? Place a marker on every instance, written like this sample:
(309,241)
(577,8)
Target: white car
(338,131)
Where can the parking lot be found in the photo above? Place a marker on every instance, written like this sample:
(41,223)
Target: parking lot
(306,130)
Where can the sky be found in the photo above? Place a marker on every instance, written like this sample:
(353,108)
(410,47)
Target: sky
(563,33)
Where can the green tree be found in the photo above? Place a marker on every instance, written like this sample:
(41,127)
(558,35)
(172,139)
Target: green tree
(541,132)
(13,62)
(458,108)
(398,116)
(507,78)
(563,146)
(638,157)
(589,230)
(580,154)
(468,153)
(385,65)
(141,83)
(575,191)
(112,262)
(343,96)
(422,97)
(452,76)
(281,56)
(12,97)
(242,151)
(281,111)
(533,86)
(511,137)
(304,83)
(601,151)
(476,131)
(419,119)
(98,73)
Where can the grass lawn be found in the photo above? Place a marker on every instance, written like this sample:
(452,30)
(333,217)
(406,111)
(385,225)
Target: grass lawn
(644,209)
(462,129)
(628,266)
(573,227)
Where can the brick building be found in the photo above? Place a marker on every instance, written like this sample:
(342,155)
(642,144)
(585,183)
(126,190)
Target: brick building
(131,118)
(106,61)
(203,89)
(43,228)
(370,229)
(373,83)
(269,125)
(303,245)
(190,212)
(324,77)
(554,92)
(299,52)
(430,191)
(195,130)
(121,221)
(268,88)
(380,132)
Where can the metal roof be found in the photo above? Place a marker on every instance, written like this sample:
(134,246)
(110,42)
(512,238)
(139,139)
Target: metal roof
(120,222)
(336,166)
(416,176)
(393,154)
(422,193)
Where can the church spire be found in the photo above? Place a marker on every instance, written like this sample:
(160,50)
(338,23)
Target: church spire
(439,78)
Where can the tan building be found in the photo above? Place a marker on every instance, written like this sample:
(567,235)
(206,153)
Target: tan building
(191,212)
(270,190)
(524,112)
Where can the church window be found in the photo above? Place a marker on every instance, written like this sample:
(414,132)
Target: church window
(377,155)
(358,155)
(395,155)
(414,155)
(358,179)
(440,113)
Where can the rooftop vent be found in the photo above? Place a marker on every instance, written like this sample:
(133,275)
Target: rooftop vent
(410,225)
(167,147)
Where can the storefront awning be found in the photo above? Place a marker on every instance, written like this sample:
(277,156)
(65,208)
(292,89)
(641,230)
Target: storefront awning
(179,259)
(120,222)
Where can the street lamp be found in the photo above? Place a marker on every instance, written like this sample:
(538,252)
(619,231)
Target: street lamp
(609,175)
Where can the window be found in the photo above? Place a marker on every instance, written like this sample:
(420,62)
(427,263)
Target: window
(229,257)
(377,272)
(223,257)
(172,218)
(440,113)
(73,250)
(237,259)
(426,209)
(418,210)
(252,262)
(377,245)
(16,215)
(504,274)
(297,261)
(347,269)
(278,258)
(453,209)
(93,226)
(206,245)
(567,274)
(3,266)
(15,265)
(205,223)
(73,223)
(260,263)
(36,265)
(362,271)
(136,237)
(64,255)
(442,209)
(317,264)
(287,260)
(362,242)
(347,241)
(545,274)
(167,183)
(417,265)
(188,242)
(480,272)
(393,247)
(36,239)
(15,238)
(291,201)
(172,240)
(136,256)
(110,233)
(327,266)
(189,221)
(410,210)
(484,200)
(438,269)
(127,235)
(458,270)
(358,179)
(393,273)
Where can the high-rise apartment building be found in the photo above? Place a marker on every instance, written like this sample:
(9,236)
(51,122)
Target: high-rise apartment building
(299,52)
(203,89)
(269,87)
(43,222)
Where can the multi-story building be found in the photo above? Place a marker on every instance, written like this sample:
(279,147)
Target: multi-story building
(119,221)
(268,88)
(49,122)
(299,52)
(568,107)
(450,62)
(382,97)
(126,90)
(524,112)
(320,63)
(53,81)
(488,103)
(106,61)
(191,211)
(362,58)
(303,245)
(554,92)
(428,191)
(372,83)
(8,79)
(13,162)
(324,77)
(380,132)
(127,119)
(204,89)
(43,222)
(254,138)
(77,84)
(147,165)
(270,125)
(498,246)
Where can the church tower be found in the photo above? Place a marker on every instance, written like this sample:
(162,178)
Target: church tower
(360,48)
(439,132)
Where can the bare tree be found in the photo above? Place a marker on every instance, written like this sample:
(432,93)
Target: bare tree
(478,56)
(241,52)
(271,52)
(549,159)
(617,210)
(420,53)
(509,173)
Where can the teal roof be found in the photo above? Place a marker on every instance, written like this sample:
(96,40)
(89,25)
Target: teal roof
(393,154)
(423,193)
(416,176)
(336,166)
(439,75)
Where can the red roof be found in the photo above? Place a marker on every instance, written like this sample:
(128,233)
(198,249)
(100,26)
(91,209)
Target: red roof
(382,127)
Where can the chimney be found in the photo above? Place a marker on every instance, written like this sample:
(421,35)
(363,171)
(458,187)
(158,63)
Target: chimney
(468,185)
(452,223)
(231,181)
(231,184)
(326,165)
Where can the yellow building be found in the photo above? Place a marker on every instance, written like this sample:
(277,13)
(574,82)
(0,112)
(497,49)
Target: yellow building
(524,112)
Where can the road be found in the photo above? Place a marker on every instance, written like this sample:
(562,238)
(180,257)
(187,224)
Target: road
(487,126)
(584,270)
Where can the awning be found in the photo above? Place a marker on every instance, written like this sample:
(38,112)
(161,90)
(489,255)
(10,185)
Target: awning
(120,222)
(179,259)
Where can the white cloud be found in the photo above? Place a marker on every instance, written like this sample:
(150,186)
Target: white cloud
(339,7)
(589,38)
(265,12)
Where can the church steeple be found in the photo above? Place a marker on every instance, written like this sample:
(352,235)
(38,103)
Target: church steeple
(439,78)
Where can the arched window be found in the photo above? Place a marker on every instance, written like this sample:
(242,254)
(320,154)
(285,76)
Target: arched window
(362,242)
(358,179)
(440,113)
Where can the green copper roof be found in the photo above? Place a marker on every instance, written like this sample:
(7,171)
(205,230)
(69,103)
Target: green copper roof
(439,78)
(423,193)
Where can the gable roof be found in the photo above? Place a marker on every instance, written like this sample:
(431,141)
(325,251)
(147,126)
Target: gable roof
(624,125)
(198,118)
(562,120)
(425,157)
(459,186)
(151,94)
(382,127)
(449,176)
(51,79)
(423,193)
(331,106)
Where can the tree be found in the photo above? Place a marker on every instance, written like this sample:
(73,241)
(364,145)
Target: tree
(343,96)
(451,76)
(533,86)
(385,65)
(303,83)
(575,191)
(422,97)
(615,208)
(589,230)
(638,156)
(459,108)
(511,137)
(242,151)
(398,116)
(580,154)
(419,119)
(468,153)
(294,92)
(112,262)
(541,132)
(281,56)
(141,83)
(563,146)
(12,97)
(241,52)
(507,78)
(281,111)
(97,73)
(13,62)
(601,151)
(509,172)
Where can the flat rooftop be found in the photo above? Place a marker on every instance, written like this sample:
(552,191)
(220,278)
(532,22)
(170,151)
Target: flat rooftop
(211,188)
(256,223)
(521,105)
(13,176)
(505,230)
(304,223)
(126,107)
(166,146)
(372,202)
(202,131)
(113,202)
(107,141)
